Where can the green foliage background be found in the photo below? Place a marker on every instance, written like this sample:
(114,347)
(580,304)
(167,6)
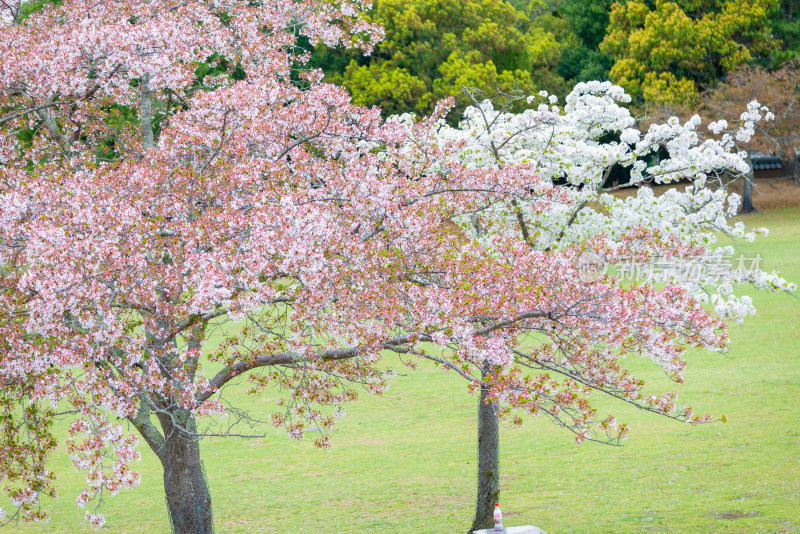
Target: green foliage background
(662,52)
(433,48)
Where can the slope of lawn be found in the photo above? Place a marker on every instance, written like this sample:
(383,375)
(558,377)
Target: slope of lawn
(405,461)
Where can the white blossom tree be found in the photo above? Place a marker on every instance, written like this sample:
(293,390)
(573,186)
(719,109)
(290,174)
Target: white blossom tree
(645,239)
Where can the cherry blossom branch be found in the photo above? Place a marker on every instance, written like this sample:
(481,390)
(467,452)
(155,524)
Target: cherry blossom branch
(533,363)
(284,358)
(570,222)
(24,112)
(306,138)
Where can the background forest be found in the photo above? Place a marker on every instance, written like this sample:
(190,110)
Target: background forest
(661,52)
(674,57)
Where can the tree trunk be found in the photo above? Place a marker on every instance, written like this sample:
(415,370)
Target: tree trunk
(792,166)
(747,189)
(488,463)
(188,499)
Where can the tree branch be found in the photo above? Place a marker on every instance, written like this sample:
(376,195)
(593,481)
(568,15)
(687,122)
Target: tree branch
(146,113)
(146,428)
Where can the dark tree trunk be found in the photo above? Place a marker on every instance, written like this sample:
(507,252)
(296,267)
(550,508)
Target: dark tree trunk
(188,499)
(488,463)
(792,166)
(747,189)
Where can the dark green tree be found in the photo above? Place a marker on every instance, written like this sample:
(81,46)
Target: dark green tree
(579,26)
(786,28)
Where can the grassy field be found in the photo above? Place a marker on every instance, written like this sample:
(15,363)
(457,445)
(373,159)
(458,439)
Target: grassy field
(405,461)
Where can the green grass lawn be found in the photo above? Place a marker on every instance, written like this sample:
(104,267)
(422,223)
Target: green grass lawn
(405,461)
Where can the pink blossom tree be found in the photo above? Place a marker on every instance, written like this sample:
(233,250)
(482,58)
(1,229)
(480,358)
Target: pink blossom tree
(169,167)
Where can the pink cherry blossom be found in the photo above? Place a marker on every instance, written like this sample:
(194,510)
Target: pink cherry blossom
(144,210)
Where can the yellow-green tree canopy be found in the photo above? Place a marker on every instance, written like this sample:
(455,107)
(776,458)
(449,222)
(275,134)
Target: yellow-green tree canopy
(433,48)
(666,53)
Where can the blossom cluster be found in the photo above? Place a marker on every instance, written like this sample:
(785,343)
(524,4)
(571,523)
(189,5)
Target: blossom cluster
(592,135)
